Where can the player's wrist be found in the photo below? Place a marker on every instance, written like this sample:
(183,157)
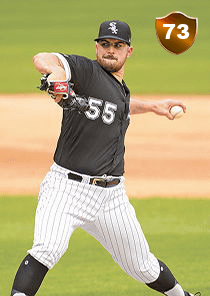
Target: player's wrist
(156,107)
(57,74)
(150,106)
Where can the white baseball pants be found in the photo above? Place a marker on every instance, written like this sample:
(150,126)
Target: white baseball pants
(105,213)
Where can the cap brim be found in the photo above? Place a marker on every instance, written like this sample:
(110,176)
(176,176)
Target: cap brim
(111,37)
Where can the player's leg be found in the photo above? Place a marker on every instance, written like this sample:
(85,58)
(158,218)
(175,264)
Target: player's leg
(53,228)
(119,231)
(63,206)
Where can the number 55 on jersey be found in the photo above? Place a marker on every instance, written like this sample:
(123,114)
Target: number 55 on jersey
(176,32)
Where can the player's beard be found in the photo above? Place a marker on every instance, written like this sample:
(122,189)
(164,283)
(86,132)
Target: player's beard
(110,63)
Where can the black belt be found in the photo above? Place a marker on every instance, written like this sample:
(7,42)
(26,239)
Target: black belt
(96,181)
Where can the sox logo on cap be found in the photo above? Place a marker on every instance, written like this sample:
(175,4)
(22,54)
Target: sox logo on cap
(113,28)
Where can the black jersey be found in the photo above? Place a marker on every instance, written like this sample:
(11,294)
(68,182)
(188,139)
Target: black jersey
(93,142)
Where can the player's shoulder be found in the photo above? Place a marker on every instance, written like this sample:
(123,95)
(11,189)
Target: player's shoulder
(78,61)
(77,58)
(83,64)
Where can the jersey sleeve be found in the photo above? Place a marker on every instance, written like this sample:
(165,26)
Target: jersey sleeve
(65,64)
(78,70)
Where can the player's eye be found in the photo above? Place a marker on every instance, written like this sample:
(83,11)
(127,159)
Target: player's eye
(117,45)
(105,44)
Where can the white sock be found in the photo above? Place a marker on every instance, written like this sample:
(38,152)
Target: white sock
(176,291)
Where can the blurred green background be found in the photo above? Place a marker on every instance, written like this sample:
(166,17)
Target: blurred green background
(29,27)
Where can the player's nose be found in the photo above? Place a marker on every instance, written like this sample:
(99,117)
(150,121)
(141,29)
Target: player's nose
(111,49)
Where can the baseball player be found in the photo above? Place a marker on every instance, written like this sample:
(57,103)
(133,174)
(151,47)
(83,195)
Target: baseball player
(85,185)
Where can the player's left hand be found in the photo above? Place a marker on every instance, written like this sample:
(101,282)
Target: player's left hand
(163,107)
(63,94)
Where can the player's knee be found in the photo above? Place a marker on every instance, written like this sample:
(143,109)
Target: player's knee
(47,256)
(147,270)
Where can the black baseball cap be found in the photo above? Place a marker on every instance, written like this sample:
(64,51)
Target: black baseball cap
(114,30)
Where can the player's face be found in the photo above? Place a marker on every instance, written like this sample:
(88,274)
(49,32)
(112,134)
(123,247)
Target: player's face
(111,54)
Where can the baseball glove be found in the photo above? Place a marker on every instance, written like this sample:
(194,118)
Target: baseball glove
(70,101)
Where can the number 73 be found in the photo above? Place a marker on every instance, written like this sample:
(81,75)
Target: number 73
(181,26)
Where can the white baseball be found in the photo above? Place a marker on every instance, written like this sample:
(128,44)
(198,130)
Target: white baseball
(177,111)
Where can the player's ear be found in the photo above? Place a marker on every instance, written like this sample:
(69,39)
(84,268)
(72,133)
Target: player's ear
(96,47)
(130,51)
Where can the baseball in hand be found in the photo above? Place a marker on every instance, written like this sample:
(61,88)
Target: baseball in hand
(177,111)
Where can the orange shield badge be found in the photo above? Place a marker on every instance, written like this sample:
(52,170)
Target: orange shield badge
(176,32)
